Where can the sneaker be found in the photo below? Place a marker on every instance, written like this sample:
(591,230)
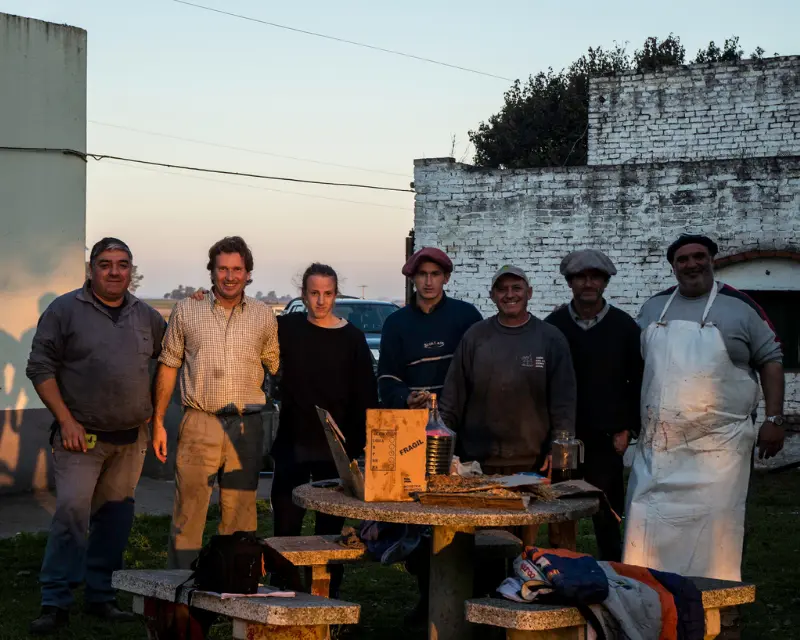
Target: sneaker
(49,621)
(109,611)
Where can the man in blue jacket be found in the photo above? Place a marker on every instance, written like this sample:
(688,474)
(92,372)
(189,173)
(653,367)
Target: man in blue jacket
(417,346)
(418,341)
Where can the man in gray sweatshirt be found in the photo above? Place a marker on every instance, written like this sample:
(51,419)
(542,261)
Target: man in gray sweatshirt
(90,364)
(511,383)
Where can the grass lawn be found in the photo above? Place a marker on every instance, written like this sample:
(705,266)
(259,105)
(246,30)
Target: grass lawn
(386,594)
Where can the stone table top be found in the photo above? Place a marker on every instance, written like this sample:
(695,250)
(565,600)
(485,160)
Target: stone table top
(717,594)
(336,503)
(301,610)
(519,615)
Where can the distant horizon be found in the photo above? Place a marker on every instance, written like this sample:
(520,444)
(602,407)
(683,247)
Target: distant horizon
(184,86)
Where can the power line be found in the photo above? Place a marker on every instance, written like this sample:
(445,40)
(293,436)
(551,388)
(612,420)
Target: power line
(251,186)
(103,156)
(257,151)
(342,40)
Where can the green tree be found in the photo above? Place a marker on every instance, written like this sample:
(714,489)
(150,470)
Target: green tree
(656,54)
(730,52)
(544,122)
(180,293)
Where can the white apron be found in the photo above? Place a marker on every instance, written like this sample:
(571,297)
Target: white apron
(691,468)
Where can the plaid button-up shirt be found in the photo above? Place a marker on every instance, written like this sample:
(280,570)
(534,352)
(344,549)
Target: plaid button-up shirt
(223,358)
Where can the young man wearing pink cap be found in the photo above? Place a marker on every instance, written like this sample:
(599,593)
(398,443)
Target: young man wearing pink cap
(418,341)
(417,346)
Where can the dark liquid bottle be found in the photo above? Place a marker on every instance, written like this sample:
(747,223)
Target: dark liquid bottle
(441,443)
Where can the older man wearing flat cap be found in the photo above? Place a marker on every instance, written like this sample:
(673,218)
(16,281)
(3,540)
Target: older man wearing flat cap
(604,343)
(705,346)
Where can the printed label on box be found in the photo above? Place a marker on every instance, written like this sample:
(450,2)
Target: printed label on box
(383,453)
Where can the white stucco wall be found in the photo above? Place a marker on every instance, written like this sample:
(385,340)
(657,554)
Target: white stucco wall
(769,274)
(42,210)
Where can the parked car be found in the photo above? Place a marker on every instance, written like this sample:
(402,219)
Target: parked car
(367,315)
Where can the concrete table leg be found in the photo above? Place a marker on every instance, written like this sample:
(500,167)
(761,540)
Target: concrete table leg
(451,581)
(564,535)
(244,630)
(713,624)
(320,580)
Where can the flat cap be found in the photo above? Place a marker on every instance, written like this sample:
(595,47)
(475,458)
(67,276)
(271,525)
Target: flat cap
(108,244)
(509,270)
(691,238)
(431,254)
(586,259)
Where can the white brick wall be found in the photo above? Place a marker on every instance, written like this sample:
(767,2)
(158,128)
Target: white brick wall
(484,218)
(695,112)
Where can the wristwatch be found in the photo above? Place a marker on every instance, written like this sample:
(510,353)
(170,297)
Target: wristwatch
(776,420)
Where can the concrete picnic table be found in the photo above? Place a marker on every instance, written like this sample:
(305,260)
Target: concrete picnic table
(453,544)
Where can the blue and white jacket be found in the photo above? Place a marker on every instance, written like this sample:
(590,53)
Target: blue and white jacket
(417,347)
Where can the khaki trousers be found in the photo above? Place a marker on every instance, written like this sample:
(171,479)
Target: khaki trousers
(94,496)
(211,447)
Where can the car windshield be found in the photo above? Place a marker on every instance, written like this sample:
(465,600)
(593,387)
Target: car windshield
(367,317)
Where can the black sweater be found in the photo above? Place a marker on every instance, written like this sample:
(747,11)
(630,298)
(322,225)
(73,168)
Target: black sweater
(328,368)
(608,367)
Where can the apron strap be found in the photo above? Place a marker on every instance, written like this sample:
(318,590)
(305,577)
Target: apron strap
(666,306)
(711,298)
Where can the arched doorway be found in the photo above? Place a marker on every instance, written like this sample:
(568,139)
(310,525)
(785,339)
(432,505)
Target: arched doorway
(773,281)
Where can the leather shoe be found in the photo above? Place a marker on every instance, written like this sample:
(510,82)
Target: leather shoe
(49,621)
(109,611)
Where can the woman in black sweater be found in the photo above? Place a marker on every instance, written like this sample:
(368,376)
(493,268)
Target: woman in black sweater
(326,363)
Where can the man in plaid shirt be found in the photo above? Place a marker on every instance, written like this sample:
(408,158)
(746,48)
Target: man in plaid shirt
(223,342)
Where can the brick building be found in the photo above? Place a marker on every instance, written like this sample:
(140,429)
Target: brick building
(712,148)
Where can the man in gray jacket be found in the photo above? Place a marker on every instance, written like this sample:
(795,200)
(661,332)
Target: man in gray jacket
(511,383)
(89,363)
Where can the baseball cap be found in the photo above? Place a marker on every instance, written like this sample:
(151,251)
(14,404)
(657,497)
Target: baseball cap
(509,270)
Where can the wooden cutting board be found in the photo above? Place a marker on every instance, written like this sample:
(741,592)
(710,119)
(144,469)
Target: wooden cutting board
(475,501)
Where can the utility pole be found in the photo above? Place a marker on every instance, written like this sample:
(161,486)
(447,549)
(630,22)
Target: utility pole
(409,253)
(363,287)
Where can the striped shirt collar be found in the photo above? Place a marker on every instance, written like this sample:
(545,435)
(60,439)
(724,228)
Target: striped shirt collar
(591,322)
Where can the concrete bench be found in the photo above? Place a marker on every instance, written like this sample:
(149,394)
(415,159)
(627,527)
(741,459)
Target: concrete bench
(320,552)
(552,622)
(303,616)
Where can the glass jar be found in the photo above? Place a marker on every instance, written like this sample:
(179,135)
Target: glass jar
(567,452)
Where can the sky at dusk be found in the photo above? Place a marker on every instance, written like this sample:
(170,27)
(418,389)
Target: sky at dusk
(287,104)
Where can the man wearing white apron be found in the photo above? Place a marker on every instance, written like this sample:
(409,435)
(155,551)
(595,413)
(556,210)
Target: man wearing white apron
(702,343)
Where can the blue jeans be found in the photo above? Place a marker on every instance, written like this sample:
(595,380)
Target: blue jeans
(94,496)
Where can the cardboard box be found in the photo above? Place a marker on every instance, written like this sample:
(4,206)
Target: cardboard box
(350,475)
(395,456)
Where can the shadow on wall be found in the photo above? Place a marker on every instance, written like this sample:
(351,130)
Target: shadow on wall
(25,453)
(25,461)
